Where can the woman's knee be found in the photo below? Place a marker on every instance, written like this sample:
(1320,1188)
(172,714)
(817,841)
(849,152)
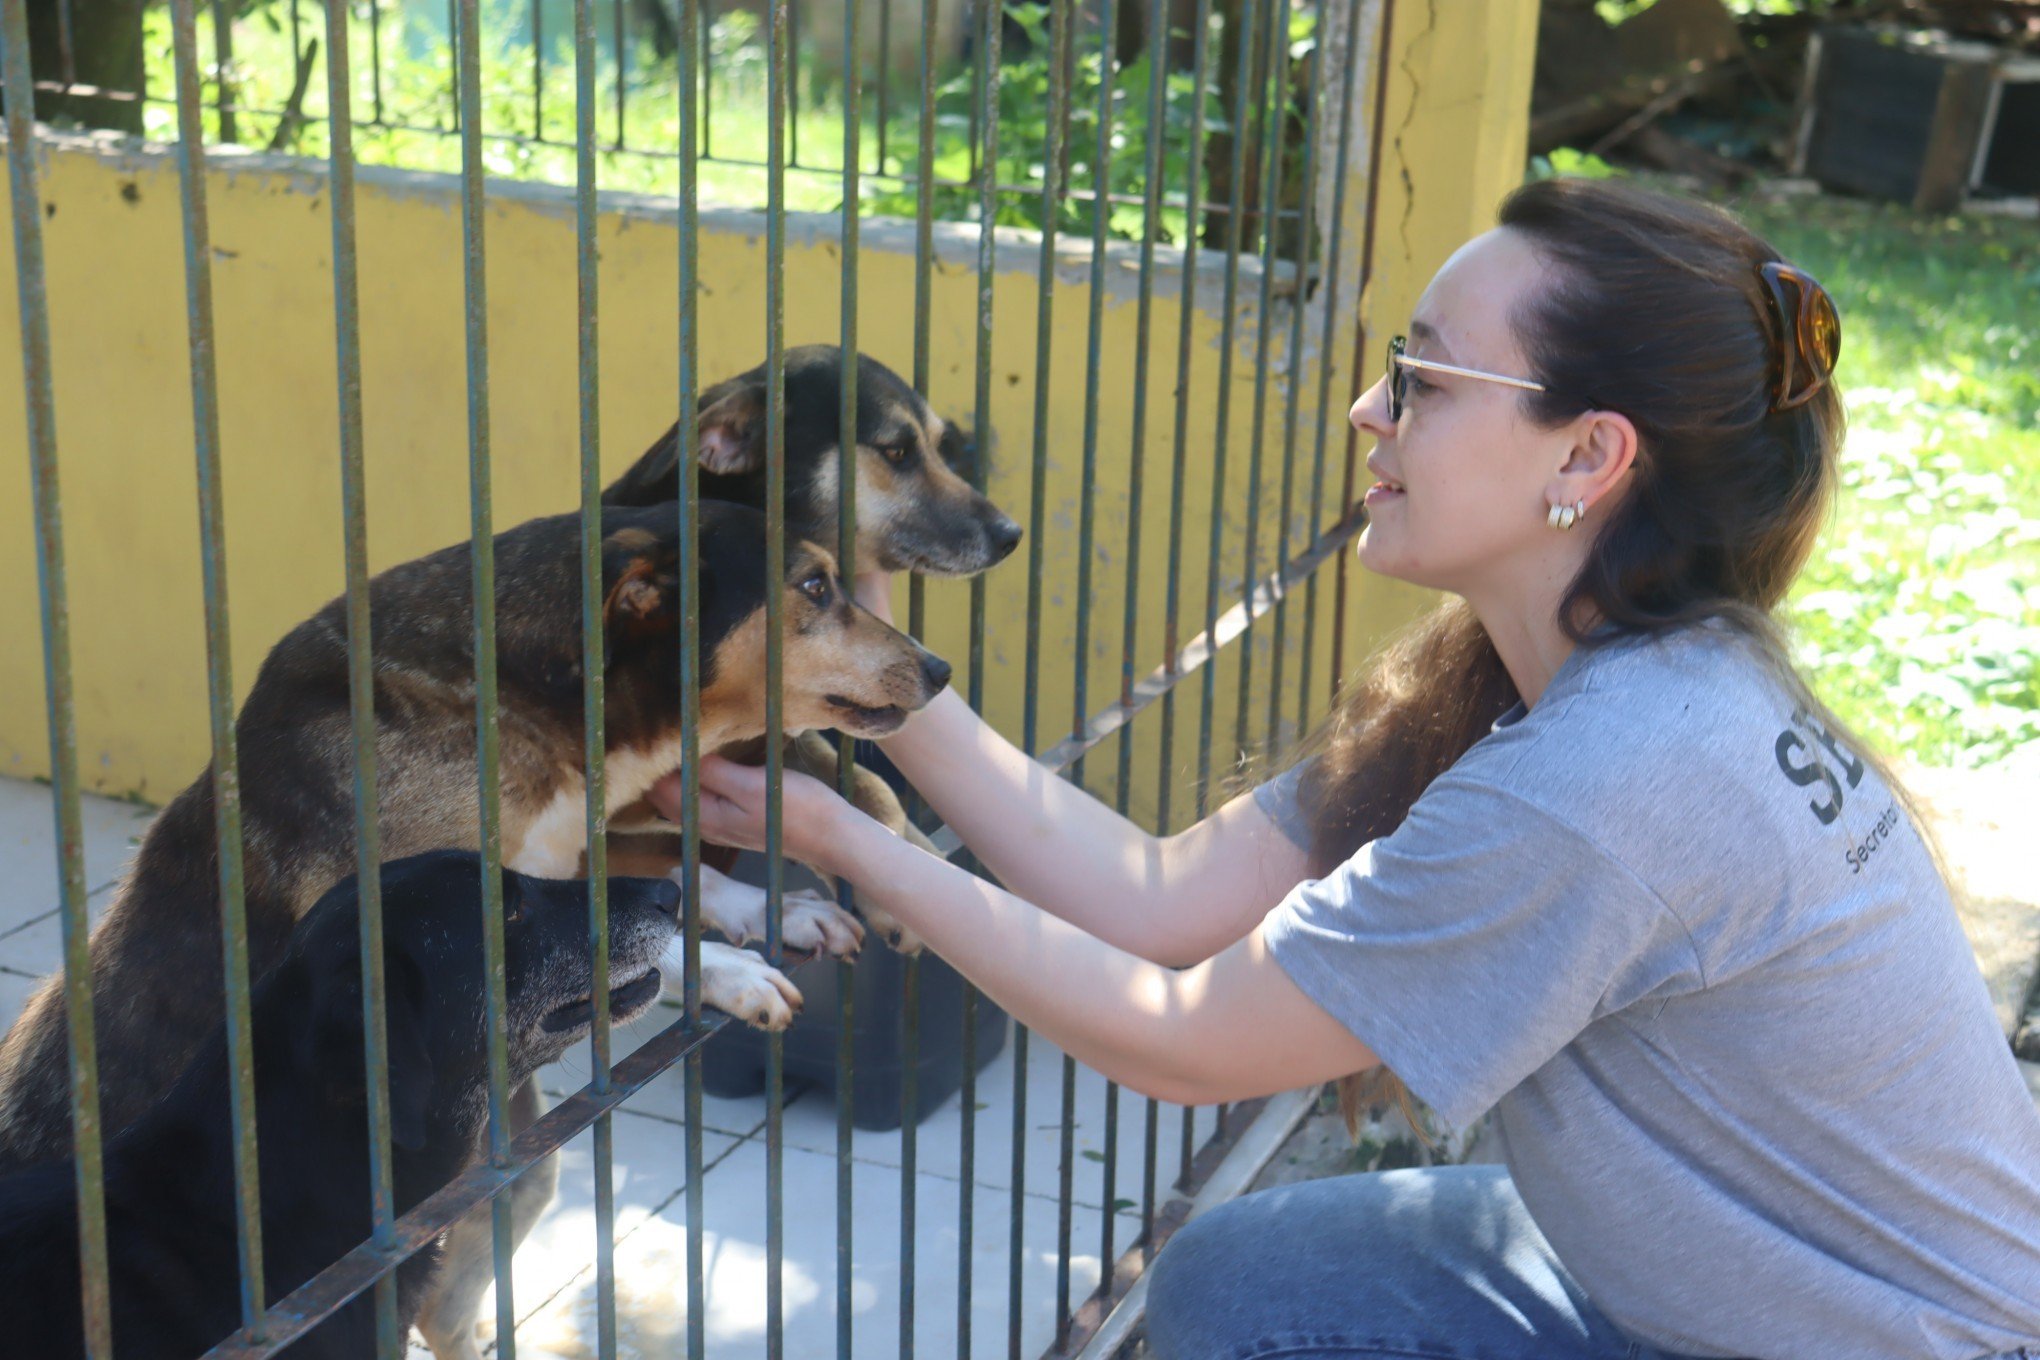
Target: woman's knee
(1204,1276)
(1335,1264)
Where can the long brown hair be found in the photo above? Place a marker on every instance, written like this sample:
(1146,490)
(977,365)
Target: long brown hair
(1657,310)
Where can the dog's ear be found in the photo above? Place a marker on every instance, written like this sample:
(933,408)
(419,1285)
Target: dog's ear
(730,425)
(642,586)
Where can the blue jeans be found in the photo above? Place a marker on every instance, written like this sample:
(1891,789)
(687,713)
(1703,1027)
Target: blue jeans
(1442,1263)
(1436,1263)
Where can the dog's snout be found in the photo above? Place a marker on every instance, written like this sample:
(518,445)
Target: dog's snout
(1005,536)
(936,670)
(666,897)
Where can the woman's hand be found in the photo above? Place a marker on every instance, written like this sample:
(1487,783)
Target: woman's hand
(873,590)
(732,810)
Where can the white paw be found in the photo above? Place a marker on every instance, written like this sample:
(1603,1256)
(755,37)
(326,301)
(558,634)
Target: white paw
(741,984)
(808,920)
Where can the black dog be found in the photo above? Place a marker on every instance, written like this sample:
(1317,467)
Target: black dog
(170,1176)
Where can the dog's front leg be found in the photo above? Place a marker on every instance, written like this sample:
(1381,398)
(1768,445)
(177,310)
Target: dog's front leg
(467,1256)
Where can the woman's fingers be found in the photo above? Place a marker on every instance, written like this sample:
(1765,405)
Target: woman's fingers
(732,807)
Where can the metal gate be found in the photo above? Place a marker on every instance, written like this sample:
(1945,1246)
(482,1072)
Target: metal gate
(1294,146)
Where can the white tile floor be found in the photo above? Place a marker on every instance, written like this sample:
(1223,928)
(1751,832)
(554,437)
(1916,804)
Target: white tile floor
(555,1272)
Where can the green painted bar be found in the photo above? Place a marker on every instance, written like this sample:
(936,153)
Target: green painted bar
(1249,12)
(56,627)
(1193,198)
(846,554)
(775,663)
(488,755)
(361,668)
(1306,199)
(692,19)
(1087,502)
(226,765)
(910,981)
(1275,62)
(984,116)
(1129,624)
(593,715)
(1062,18)
(1348,97)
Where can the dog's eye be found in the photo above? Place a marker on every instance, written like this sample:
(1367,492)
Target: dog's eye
(894,454)
(816,588)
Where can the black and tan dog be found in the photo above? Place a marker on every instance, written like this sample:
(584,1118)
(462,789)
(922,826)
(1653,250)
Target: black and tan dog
(915,512)
(156,957)
(171,1245)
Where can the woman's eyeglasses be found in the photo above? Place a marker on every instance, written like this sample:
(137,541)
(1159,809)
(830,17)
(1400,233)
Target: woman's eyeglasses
(1809,334)
(1399,365)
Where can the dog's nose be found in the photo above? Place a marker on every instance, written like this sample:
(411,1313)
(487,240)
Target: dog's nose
(936,670)
(1005,536)
(666,896)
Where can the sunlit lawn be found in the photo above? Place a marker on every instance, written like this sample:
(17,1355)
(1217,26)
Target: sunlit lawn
(1920,614)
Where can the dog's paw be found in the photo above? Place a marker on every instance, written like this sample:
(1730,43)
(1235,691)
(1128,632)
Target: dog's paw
(740,983)
(809,920)
(890,930)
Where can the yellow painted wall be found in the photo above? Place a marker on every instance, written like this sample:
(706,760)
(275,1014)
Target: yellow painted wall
(1457,115)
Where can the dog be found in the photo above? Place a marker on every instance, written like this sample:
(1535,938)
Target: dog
(171,1244)
(155,955)
(915,512)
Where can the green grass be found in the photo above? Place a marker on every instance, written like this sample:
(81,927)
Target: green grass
(1919,616)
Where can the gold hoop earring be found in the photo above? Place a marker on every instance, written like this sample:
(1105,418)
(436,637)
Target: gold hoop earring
(1553,518)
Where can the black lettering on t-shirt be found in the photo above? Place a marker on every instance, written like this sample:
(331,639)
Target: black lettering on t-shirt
(1850,764)
(1805,769)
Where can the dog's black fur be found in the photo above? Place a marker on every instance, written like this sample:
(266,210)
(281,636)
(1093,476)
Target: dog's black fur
(171,1243)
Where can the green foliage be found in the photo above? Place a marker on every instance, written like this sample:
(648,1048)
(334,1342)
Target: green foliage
(1919,616)
(1570,162)
(528,107)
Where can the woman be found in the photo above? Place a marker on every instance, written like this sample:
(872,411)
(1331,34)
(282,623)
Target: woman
(1662,915)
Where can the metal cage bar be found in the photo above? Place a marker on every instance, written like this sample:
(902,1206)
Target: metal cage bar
(38,390)
(226,771)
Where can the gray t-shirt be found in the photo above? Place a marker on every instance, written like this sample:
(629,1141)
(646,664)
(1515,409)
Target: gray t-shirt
(1744,1069)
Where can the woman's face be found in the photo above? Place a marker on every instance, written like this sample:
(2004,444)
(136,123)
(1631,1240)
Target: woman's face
(1465,479)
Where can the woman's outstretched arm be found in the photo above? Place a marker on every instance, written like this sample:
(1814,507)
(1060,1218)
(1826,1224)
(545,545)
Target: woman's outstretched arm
(1175,899)
(1232,1027)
